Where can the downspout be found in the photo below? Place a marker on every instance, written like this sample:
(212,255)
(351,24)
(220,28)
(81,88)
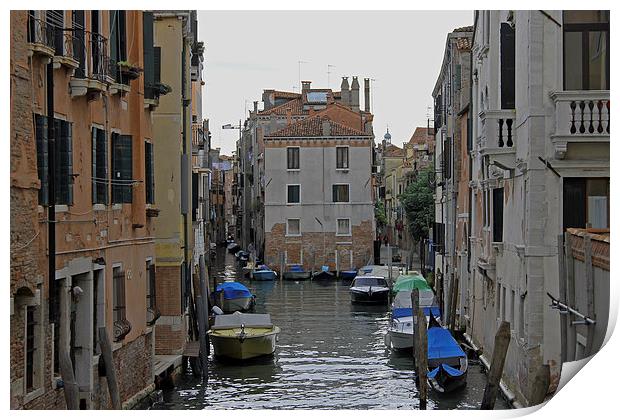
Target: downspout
(51,196)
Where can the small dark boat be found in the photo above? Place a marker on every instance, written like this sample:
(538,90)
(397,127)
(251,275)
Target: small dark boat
(348,274)
(368,289)
(324,274)
(263,273)
(447,362)
(242,256)
(296,272)
(233,247)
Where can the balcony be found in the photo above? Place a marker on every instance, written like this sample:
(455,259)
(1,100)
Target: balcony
(498,137)
(122,327)
(91,75)
(68,43)
(580,117)
(41,38)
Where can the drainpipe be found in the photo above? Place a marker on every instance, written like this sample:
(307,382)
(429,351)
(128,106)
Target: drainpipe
(184,176)
(51,195)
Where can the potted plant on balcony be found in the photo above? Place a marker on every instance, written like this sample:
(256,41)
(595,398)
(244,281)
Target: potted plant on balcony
(127,71)
(162,88)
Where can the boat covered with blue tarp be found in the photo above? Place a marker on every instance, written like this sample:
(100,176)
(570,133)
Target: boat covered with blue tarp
(446,359)
(233,296)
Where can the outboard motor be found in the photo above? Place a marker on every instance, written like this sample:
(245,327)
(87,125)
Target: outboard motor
(216,310)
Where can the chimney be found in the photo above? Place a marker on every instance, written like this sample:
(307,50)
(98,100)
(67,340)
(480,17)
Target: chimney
(255,107)
(305,86)
(355,95)
(289,116)
(367,94)
(344,91)
(327,128)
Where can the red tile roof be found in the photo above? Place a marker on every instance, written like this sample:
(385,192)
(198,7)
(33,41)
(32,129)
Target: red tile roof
(285,95)
(421,136)
(295,105)
(313,127)
(393,151)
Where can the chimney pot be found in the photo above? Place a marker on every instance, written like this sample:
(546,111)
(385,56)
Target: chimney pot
(367,94)
(354,98)
(305,85)
(327,128)
(344,91)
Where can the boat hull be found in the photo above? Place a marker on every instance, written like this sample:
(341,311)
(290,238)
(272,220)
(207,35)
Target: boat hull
(231,347)
(348,275)
(264,275)
(401,340)
(239,304)
(444,382)
(369,297)
(322,275)
(297,275)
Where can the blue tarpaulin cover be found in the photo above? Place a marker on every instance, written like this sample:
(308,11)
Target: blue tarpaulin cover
(296,268)
(233,290)
(442,345)
(449,370)
(403,312)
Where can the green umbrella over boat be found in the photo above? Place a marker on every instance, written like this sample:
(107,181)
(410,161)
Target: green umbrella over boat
(409,282)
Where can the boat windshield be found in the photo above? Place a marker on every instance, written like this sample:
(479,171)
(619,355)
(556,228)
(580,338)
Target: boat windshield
(369,281)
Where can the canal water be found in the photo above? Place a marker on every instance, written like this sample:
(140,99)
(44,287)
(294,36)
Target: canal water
(330,355)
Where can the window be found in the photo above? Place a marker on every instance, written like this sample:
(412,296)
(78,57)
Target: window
(78,23)
(340,193)
(293,227)
(118,40)
(447,158)
(586,49)
(586,203)
(498,214)
(100,166)
(513,302)
(292,158)
(342,157)
(63,177)
(32,348)
(507,46)
(343,227)
(522,315)
(503,303)
(148,55)
(292,194)
(56,19)
(152,314)
(121,168)
(149,172)
(118,294)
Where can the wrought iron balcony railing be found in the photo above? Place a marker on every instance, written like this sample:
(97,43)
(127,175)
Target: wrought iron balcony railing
(122,327)
(41,34)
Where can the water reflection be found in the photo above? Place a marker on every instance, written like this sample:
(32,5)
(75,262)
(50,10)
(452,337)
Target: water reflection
(331,355)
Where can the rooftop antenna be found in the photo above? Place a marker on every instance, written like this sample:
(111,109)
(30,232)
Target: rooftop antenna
(329,66)
(299,63)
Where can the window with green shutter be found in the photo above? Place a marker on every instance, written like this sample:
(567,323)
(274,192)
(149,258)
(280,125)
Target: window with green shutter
(121,168)
(40,122)
(149,57)
(100,166)
(64,162)
(149,172)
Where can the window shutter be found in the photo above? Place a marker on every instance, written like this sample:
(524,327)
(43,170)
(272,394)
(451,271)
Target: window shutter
(116,188)
(127,172)
(157,65)
(498,214)
(194,195)
(149,75)
(152,285)
(94,172)
(42,157)
(113,38)
(507,52)
(457,77)
(102,142)
(68,139)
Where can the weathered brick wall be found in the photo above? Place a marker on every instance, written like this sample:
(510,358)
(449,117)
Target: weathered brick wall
(169,330)
(169,339)
(312,245)
(134,371)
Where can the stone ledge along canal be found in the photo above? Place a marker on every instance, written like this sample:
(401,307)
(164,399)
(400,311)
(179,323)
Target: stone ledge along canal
(330,354)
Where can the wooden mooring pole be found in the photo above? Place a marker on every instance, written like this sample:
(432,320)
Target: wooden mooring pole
(68,378)
(110,372)
(502,339)
(540,387)
(420,347)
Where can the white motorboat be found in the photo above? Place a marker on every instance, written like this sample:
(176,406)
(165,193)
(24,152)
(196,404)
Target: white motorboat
(369,289)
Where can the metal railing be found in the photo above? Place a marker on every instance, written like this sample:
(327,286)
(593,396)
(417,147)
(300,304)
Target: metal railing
(122,327)
(40,32)
(91,51)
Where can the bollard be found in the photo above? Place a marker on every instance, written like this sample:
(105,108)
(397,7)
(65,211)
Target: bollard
(502,339)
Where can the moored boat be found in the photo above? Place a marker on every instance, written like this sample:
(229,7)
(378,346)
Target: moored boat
(232,296)
(296,272)
(263,273)
(243,336)
(242,256)
(447,362)
(248,268)
(324,274)
(348,274)
(233,247)
(369,289)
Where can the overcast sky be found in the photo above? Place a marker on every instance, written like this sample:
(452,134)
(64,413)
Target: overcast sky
(246,52)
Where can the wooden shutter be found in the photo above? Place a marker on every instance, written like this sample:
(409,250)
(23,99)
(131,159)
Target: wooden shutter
(194,195)
(64,161)
(126,167)
(102,164)
(149,62)
(148,165)
(156,65)
(498,214)
(42,157)
(153,295)
(574,203)
(116,169)
(507,63)
(94,172)
(78,42)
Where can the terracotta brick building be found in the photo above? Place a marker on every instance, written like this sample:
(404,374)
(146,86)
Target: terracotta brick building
(98,73)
